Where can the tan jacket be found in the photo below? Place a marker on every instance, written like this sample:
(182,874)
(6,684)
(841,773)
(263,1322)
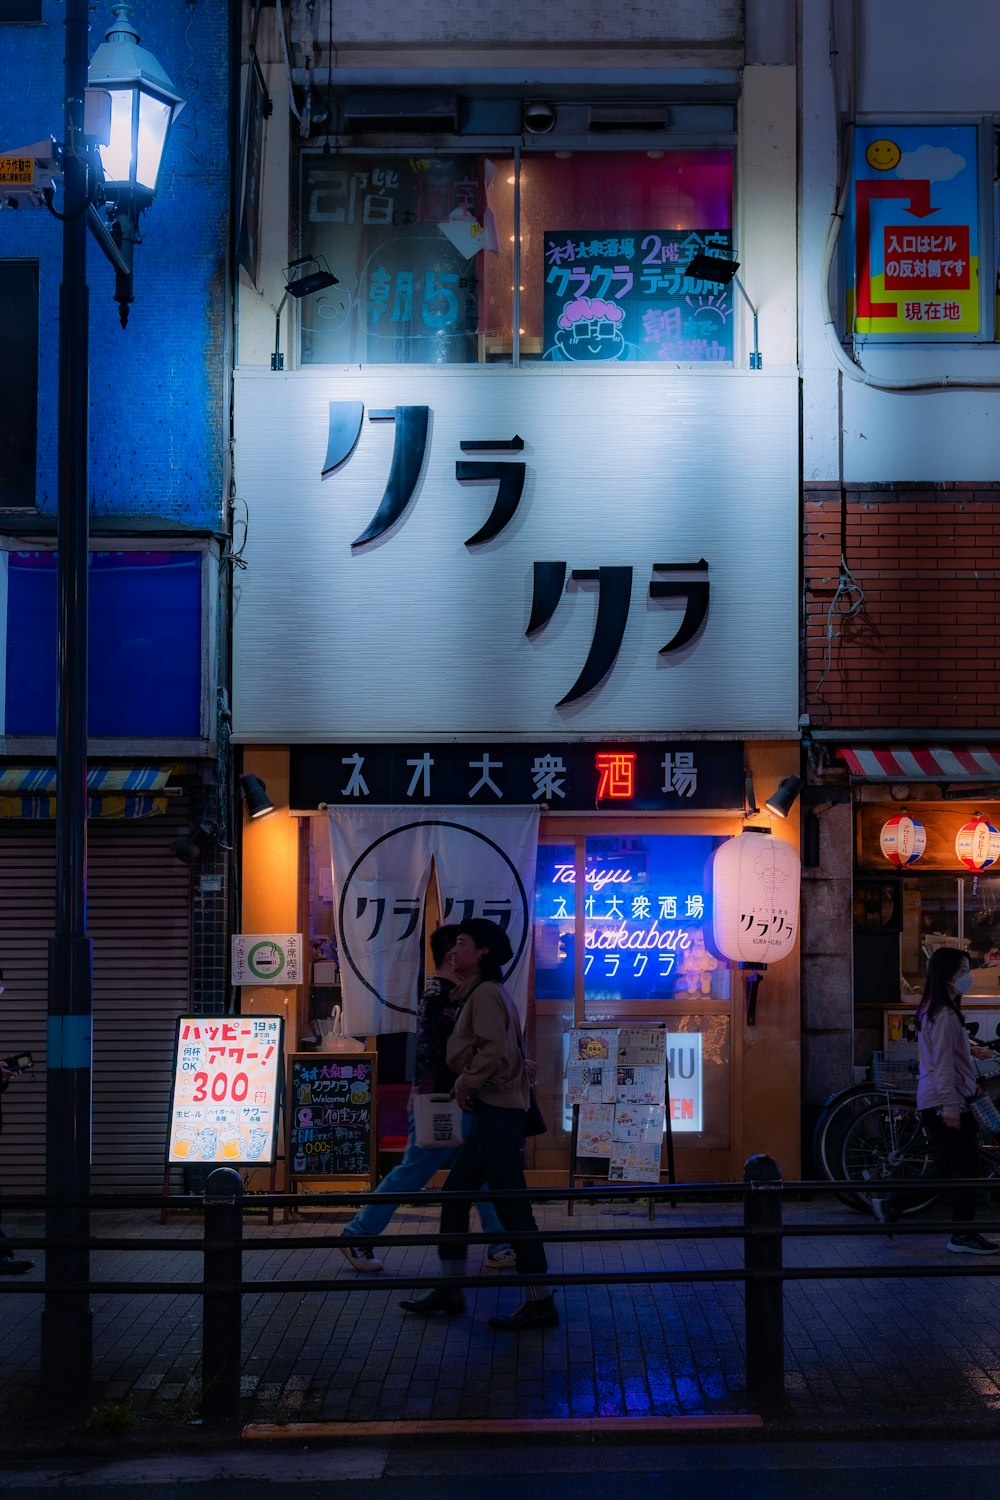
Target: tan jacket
(484,1048)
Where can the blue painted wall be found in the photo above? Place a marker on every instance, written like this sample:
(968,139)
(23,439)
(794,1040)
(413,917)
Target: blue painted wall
(157,428)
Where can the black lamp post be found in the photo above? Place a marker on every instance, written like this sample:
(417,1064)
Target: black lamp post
(124,72)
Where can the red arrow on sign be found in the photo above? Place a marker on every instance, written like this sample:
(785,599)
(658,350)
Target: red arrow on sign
(918,194)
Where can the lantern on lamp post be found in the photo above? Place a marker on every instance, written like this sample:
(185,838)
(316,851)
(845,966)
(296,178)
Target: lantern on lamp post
(755,903)
(144,105)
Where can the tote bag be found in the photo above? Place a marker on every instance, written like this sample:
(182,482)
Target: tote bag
(437,1121)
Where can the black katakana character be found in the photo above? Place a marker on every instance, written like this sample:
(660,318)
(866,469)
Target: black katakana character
(695,596)
(511,483)
(408,450)
(379,903)
(614,595)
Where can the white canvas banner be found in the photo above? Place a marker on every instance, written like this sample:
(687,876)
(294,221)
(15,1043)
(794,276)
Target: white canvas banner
(381,866)
(484,861)
(485,866)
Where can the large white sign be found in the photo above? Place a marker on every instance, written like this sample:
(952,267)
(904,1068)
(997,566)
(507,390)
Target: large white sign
(224,1101)
(267,958)
(515,552)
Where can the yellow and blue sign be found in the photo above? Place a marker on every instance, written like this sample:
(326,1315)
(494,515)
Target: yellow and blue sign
(914,267)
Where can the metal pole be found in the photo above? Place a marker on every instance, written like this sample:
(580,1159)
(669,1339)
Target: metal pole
(67,1319)
(222,1313)
(763,1297)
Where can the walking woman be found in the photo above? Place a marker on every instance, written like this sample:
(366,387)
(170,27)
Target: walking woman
(946,1082)
(486,1051)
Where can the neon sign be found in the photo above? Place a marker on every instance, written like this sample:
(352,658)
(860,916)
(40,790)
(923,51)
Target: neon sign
(617,770)
(598,878)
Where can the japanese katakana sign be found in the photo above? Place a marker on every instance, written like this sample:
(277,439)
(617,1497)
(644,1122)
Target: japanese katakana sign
(916,231)
(642,775)
(628,296)
(225,1095)
(543,554)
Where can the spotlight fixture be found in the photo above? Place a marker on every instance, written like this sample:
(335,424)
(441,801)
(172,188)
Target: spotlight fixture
(782,801)
(716,268)
(255,796)
(300,282)
(189,847)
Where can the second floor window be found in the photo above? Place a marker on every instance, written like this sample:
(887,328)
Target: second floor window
(568,256)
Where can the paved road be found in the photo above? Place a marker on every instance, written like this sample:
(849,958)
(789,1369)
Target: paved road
(928,1470)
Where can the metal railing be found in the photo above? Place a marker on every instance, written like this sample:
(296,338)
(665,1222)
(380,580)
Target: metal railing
(763,1232)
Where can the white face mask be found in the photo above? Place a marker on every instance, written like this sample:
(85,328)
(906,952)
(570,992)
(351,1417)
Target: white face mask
(962,983)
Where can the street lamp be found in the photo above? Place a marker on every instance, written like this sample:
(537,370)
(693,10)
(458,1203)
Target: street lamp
(144,105)
(67,1323)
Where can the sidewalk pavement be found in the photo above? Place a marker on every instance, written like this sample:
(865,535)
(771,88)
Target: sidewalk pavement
(874,1355)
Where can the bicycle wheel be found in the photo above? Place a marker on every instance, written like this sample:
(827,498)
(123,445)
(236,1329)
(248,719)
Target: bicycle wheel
(887,1147)
(838,1114)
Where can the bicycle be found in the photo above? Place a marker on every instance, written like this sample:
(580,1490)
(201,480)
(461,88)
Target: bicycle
(872,1134)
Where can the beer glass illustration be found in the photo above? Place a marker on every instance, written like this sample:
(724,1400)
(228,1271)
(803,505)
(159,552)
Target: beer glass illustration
(231,1142)
(208,1138)
(184,1143)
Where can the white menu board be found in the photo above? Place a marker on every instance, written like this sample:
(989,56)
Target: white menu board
(226,1091)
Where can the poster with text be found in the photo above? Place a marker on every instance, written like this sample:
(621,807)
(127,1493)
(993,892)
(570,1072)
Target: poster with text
(639,1123)
(597,1123)
(642,1047)
(225,1096)
(267,958)
(632,1161)
(628,297)
(915,263)
(591,1083)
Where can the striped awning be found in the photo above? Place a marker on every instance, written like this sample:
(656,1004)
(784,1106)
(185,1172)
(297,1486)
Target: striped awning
(114,791)
(915,763)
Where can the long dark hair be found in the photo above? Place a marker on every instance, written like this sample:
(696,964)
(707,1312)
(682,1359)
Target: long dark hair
(944,964)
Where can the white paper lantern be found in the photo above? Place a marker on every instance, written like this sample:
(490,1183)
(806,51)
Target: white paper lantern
(755,898)
(902,839)
(978,844)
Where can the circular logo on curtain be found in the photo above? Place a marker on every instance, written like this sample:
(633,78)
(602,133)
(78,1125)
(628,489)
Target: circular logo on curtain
(487,856)
(902,840)
(978,844)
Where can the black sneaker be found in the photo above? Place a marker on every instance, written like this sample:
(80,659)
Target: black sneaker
(11,1267)
(972,1244)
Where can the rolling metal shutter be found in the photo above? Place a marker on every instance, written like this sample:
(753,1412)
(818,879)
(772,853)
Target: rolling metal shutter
(139,921)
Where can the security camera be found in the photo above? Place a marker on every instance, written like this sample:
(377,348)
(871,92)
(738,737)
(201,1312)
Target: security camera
(538,117)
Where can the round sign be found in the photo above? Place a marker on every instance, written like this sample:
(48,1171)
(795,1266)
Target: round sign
(902,839)
(265,960)
(978,844)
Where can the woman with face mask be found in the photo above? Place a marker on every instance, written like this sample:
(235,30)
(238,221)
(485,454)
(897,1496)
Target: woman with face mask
(947,1081)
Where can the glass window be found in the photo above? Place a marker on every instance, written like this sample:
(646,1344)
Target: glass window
(144,645)
(605,240)
(440,257)
(408,238)
(18,382)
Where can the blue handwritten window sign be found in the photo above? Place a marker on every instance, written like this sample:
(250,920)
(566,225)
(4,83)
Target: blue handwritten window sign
(627,296)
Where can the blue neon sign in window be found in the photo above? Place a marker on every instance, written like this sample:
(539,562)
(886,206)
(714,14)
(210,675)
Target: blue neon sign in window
(647,917)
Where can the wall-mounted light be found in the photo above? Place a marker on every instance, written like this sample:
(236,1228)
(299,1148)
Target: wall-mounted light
(255,796)
(782,801)
(715,268)
(189,847)
(300,282)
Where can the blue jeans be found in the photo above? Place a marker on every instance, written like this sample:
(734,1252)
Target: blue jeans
(413,1173)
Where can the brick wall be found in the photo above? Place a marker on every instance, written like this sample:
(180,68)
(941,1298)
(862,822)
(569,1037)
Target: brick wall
(923,651)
